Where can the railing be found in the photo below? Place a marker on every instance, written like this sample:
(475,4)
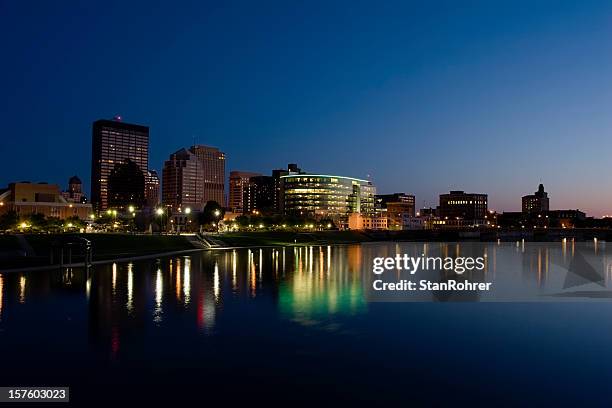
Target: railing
(72,250)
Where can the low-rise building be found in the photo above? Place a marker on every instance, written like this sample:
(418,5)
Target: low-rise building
(27,198)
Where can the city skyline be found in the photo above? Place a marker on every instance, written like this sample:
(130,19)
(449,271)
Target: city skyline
(490,98)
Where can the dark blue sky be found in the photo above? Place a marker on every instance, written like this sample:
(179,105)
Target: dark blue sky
(424,97)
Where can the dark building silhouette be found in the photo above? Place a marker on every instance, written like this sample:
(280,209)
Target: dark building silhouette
(537,202)
(126,185)
(258,195)
(112,142)
(459,205)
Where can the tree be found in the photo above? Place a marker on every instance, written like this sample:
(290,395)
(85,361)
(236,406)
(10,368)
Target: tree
(212,213)
(8,220)
(126,184)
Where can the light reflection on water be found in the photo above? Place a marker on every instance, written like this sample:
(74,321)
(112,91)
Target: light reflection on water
(309,285)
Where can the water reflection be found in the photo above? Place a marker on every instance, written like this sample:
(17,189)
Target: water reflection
(308,285)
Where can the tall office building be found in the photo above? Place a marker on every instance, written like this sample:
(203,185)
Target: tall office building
(113,142)
(238,181)
(182,185)
(212,172)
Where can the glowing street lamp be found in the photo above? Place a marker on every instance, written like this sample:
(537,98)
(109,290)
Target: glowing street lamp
(187,210)
(131,209)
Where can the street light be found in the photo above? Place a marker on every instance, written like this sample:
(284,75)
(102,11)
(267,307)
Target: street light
(131,209)
(187,210)
(160,212)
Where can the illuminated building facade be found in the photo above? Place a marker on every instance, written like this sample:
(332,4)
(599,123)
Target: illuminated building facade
(113,142)
(212,172)
(238,181)
(181,186)
(27,198)
(325,196)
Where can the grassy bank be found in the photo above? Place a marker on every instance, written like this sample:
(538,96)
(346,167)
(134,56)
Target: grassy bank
(264,238)
(105,246)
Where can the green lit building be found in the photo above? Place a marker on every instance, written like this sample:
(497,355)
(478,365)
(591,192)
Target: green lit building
(323,196)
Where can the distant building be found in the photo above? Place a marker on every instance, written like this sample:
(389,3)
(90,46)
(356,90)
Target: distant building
(459,208)
(192,177)
(181,186)
(537,202)
(377,222)
(212,171)
(27,198)
(112,142)
(258,195)
(545,219)
(396,207)
(238,180)
(277,174)
(74,194)
(151,189)
(126,185)
(324,196)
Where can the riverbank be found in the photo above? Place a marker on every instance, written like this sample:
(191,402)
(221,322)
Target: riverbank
(34,250)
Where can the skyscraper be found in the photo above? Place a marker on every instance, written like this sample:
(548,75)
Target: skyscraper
(238,181)
(113,142)
(181,186)
(212,171)
(191,178)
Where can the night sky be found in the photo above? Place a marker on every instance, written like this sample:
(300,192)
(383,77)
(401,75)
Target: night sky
(491,97)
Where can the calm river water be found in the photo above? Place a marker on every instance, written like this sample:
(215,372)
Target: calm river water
(294,326)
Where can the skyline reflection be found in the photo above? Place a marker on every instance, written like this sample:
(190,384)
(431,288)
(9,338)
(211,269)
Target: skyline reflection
(304,285)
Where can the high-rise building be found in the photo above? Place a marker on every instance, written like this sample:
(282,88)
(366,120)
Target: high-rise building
(181,186)
(324,196)
(258,196)
(151,189)
(537,202)
(191,178)
(469,208)
(212,172)
(238,180)
(114,141)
